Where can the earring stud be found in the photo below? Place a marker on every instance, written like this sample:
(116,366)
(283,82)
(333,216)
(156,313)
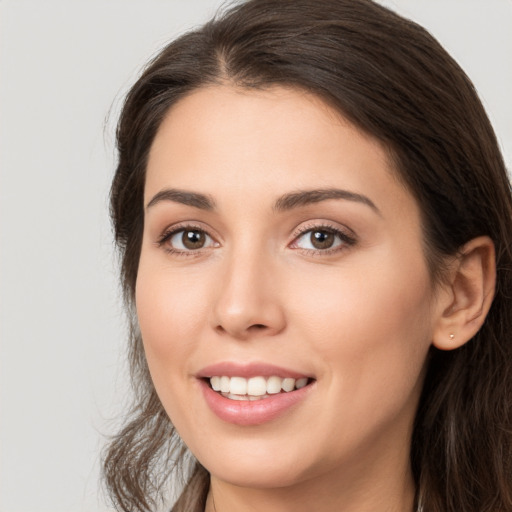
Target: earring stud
(452,336)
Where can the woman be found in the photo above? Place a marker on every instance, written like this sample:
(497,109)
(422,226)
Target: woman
(314,223)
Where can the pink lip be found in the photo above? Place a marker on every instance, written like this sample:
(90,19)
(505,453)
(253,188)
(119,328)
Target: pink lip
(229,369)
(245,412)
(241,412)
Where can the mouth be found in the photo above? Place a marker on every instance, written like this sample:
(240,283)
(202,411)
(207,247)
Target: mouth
(255,388)
(253,393)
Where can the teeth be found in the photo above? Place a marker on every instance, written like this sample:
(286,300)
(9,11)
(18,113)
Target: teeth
(235,397)
(215,382)
(225,384)
(288,384)
(239,388)
(257,386)
(300,383)
(274,385)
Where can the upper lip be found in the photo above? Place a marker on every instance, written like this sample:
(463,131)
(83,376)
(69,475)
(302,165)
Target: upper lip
(247,370)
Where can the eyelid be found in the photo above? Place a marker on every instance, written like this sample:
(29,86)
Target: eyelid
(345,234)
(173,229)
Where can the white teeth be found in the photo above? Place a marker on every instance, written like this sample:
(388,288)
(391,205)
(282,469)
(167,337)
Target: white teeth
(239,388)
(274,385)
(235,397)
(257,386)
(288,384)
(225,384)
(215,382)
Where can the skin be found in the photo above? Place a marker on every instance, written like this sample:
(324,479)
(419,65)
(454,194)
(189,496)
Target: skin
(359,317)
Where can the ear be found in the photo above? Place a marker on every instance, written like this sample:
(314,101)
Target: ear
(467,296)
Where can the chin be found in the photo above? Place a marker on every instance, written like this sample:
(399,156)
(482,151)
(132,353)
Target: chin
(251,460)
(257,475)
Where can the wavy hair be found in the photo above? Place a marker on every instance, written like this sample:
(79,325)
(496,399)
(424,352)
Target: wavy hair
(393,80)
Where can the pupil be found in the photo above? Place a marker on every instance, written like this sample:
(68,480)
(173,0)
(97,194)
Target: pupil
(193,239)
(322,239)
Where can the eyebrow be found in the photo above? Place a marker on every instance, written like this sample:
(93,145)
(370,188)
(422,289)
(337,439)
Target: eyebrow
(194,199)
(284,203)
(307,197)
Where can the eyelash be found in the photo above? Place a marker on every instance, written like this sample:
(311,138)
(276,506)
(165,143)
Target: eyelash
(346,240)
(174,230)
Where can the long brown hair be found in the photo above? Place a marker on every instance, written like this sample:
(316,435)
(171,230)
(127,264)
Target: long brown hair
(393,80)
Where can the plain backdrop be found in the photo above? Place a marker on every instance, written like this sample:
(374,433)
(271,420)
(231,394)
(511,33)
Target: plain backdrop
(64,66)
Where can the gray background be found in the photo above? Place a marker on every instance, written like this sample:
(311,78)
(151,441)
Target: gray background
(64,65)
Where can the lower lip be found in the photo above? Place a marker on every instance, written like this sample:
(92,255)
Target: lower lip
(256,412)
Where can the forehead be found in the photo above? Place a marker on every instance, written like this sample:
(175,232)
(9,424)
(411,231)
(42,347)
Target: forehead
(222,140)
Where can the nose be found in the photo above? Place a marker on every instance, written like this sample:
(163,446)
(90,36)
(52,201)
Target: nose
(248,303)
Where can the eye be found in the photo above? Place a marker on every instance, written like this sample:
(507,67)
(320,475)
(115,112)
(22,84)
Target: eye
(186,240)
(322,239)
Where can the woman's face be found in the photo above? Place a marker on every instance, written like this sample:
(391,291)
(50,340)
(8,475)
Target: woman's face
(279,245)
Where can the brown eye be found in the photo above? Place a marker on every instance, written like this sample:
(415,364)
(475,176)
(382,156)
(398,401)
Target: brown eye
(193,239)
(322,239)
(188,240)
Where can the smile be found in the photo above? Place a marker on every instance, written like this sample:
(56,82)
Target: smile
(254,394)
(255,388)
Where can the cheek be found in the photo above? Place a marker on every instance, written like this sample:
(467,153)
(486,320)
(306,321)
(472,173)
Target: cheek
(372,322)
(170,311)
(384,291)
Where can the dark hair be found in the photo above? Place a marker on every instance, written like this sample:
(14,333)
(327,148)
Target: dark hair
(393,80)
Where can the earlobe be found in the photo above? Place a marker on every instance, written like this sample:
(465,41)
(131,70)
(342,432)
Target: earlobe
(468,295)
